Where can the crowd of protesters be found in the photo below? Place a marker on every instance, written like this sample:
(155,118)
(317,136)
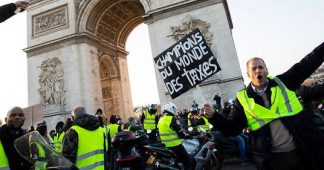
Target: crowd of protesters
(86,136)
(69,136)
(284,114)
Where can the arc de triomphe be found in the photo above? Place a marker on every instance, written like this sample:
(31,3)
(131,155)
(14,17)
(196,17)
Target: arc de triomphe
(76,51)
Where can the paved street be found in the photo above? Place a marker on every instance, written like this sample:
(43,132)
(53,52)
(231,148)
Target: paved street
(234,164)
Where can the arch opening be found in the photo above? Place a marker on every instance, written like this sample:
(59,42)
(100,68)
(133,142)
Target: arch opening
(111,22)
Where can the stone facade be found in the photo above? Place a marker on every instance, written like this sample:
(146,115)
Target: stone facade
(88,38)
(213,18)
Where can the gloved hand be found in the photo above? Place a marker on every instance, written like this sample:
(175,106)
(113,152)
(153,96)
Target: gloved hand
(184,134)
(187,135)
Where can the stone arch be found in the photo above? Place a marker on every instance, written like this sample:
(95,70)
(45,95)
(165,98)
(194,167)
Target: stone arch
(109,74)
(110,22)
(89,37)
(108,67)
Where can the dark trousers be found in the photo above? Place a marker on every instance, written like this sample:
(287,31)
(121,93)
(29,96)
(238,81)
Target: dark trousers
(183,156)
(290,160)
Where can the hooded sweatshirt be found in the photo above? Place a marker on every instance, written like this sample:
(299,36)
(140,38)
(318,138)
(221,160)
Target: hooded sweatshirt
(70,144)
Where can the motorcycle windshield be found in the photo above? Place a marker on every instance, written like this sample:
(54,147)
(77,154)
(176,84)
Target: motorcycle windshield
(33,147)
(191,145)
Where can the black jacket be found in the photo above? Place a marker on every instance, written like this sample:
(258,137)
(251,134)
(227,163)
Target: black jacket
(7,11)
(310,94)
(70,144)
(307,136)
(8,136)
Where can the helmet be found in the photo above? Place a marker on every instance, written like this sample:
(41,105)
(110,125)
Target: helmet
(152,108)
(229,103)
(170,108)
(194,111)
(59,125)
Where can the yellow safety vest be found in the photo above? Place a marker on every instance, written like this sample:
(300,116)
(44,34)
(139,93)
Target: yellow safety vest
(113,128)
(189,122)
(205,127)
(41,163)
(284,102)
(149,120)
(55,138)
(90,154)
(106,131)
(59,143)
(168,136)
(4,164)
(128,128)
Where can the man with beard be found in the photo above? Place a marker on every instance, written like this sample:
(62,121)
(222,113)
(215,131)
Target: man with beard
(283,134)
(9,132)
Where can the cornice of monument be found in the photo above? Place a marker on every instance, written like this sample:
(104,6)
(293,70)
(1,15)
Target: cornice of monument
(220,81)
(182,7)
(39,3)
(71,39)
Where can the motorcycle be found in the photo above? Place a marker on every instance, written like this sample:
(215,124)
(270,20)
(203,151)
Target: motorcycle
(201,148)
(127,157)
(228,147)
(33,147)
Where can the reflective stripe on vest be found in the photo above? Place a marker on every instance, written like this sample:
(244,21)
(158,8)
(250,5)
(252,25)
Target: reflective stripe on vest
(4,165)
(284,102)
(168,136)
(5,168)
(113,128)
(59,143)
(205,127)
(149,120)
(40,165)
(90,154)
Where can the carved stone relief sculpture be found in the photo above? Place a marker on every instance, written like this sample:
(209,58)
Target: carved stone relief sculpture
(50,21)
(51,83)
(189,24)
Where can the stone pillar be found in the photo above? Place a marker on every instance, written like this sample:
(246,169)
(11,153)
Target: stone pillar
(52,34)
(125,97)
(169,21)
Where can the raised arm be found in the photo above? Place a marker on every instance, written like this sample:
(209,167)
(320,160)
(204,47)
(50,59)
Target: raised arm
(299,72)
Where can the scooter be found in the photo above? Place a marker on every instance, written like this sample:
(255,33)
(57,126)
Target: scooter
(33,147)
(202,149)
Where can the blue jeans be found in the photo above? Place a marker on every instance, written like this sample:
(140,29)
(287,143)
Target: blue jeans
(240,139)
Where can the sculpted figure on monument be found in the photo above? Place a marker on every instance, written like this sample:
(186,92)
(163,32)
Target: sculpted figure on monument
(188,25)
(51,20)
(51,82)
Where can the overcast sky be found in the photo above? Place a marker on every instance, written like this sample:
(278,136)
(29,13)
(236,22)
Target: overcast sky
(281,32)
